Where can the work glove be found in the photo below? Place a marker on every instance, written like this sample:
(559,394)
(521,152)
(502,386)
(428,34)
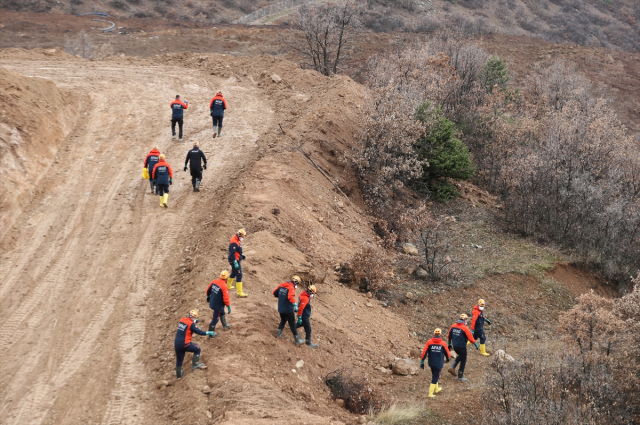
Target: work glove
(487,320)
(185,167)
(235,264)
(154,182)
(450,348)
(208,298)
(422,364)
(295,307)
(209,333)
(477,345)
(228,309)
(242,257)
(299,323)
(447,361)
(205,166)
(170,181)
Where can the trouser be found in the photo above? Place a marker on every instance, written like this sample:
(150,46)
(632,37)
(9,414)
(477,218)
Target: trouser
(181,351)
(173,127)
(306,323)
(478,334)
(291,318)
(196,175)
(153,185)
(162,189)
(435,375)
(461,359)
(236,273)
(217,121)
(217,314)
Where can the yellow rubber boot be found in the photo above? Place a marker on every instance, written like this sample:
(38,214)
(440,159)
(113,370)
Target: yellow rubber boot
(230,282)
(483,350)
(240,293)
(161,201)
(432,388)
(438,388)
(166,199)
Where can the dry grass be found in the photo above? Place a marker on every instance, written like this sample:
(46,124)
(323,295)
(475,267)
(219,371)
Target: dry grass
(395,415)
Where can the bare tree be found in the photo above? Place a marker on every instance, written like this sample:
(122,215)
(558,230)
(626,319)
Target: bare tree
(326,30)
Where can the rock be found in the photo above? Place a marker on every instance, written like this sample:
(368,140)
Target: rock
(340,204)
(320,219)
(415,353)
(209,415)
(206,389)
(405,367)
(410,249)
(282,240)
(447,259)
(371,423)
(500,356)
(275,211)
(369,305)
(408,295)
(340,402)
(369,295)
(362,420)
(162,383)
(384,370)
(293,371)
(275,78)
(299,364)
(420,272)
(261,361)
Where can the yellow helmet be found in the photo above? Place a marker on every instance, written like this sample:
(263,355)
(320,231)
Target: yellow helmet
(480,302)
(156,147)
(312,288)
(242,233)
(161,156)
(194,313)
(437,332)
(464,317)
(224,275)
(296,279)
(196,143)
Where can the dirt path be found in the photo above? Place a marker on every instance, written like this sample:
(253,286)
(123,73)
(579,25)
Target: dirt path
(74,289)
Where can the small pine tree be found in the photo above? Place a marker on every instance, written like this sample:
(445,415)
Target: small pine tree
(494,72)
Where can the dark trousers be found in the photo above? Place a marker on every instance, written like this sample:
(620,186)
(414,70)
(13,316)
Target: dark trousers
(217,121)
(435,375)
(173,126)
(291,318)
(478,334)
(153,185)
(216,315)
(162,189)
(461,359)
(181,351)
(196,174)
(236,273)
(306,322)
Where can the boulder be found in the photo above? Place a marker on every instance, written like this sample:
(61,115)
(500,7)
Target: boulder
(501,356)
(340,402)
(405,367)
(420,272)
(206,389)
(276,78)
(415,353)
(410,249)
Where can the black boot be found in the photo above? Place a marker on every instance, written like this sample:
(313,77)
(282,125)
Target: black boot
(179,372)
(279,334)
(196,362)
(223,320)
(309,343)
(452,369)
(212,328)
(197,186)
(461,378)
(298,340)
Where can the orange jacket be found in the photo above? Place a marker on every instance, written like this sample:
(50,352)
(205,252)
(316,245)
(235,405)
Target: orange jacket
(220,97)
(235,249)
(161,179)
(459,334)
(156,154)
(437,351)
(304,302)
(218,294)
(474,318)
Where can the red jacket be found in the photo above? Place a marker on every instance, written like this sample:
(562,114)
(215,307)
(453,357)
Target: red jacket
(286,294)
(218,97)
(155,153)
(474,318)
(437,352)
(304,302)
(218,294)
(165,168)
(235,249)
(185,328)
(459,334)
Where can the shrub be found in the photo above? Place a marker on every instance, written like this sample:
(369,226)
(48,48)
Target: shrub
(443,191)
(354,389)
(371,269)
(494,73)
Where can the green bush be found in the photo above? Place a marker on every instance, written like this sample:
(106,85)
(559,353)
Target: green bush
(494,72)
(443,191)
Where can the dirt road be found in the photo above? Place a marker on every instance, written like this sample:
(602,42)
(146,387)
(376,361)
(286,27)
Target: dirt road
(74,287)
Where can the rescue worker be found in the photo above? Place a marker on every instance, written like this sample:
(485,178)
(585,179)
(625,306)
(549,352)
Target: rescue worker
(177,113)
(438,355)
(477,325)
(162,177)
(235,258)
(182,343)
(196,157)
(287,307)
(149,162)
(304,314)
(218,298)
(217,106)
(458,336)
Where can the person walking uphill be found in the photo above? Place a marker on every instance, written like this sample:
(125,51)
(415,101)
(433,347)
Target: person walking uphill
(177,113)
(217,106)
(162,176)
(218,298)
(304,313)
(477,325)
(438,354)
(195,156)
(235,259)
(149,163)
(183,344)
(458,336)
(287,307)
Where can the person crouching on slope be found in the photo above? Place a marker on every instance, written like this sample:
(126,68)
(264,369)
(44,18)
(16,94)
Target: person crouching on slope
(183,344)
(218,298)
(235,260)
(217,106)
(304,313)
(458,336)
(477,325)
(438,355)
(177,113)
(287,307)
(149,162)
(162,177)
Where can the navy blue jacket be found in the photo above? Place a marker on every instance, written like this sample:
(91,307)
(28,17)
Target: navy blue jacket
(235,249)
(218,294)
(162,173)
(217,106)
(185,328)
(459,334)
(286,294)
(151,160)
(177,109)
(436,351)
